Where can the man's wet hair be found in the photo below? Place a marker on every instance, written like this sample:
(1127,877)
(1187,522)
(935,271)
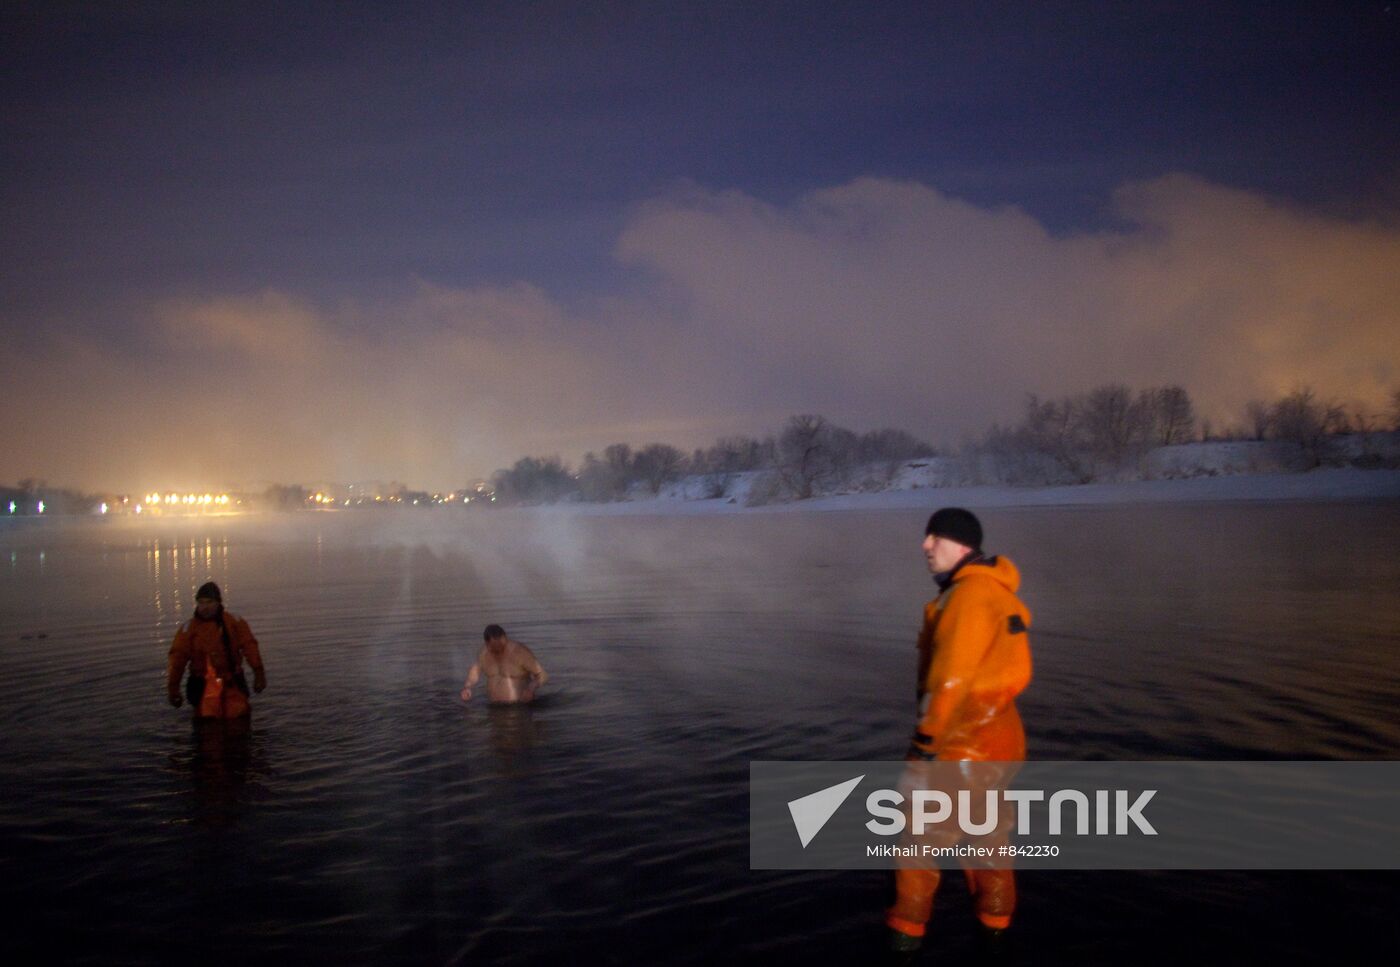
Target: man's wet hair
(493,631)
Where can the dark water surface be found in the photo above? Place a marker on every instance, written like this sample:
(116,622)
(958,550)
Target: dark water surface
(371,817)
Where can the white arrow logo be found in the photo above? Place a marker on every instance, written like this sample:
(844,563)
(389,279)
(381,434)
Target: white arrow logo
(810,813)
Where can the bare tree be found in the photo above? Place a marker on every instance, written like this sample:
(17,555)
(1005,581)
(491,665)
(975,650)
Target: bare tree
(535,480)
(595,480)
(1014,458)
(1051,427)
(1336,418)
(1114,422)
(1173,418)
(1261,418)
(618,456)
(1364,420)
(657,464)
(729,457)
(1300,418)
(888,450)
(805,456)
(617,472)
(736,454)
(605,479)
(1366,423)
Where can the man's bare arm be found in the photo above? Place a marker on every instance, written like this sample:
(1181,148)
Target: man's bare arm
(473,676)
(538,676)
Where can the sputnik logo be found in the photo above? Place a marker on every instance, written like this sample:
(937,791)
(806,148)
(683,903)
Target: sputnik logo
(810,813)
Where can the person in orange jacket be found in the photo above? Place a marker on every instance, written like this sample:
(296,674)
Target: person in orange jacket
(213,644)
(974,659)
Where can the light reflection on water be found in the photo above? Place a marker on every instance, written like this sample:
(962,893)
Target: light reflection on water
(369,813)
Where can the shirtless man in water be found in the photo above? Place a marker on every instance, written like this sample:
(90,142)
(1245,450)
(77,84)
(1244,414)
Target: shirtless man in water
(513,673)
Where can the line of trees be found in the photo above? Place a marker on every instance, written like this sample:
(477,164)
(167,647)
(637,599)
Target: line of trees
(1086,436)
(1104,433)
(1302,418)
(1107,433)
(807,456)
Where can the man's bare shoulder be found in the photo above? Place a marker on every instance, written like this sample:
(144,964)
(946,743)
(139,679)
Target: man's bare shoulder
(522,658)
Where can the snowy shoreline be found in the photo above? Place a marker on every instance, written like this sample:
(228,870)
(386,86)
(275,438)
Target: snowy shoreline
(1326,484)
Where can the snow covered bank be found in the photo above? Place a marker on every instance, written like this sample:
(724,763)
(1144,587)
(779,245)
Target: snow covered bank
(1346,483)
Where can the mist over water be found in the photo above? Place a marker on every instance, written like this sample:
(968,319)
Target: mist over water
(370,816)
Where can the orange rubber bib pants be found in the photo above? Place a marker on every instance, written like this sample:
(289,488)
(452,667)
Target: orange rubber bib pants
(974,659)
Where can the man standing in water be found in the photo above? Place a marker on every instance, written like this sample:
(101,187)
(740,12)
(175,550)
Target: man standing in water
(513,673)
(214,644)
(974,659)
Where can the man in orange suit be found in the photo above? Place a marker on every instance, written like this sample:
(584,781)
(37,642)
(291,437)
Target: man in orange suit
(214,644)
(974,659)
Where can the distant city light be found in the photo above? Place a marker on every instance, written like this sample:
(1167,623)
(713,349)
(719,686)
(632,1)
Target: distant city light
(158,502)
(12,506)
(154,500)
(41,506)
(103,509)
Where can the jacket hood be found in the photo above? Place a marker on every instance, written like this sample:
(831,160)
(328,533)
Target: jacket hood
(999,569)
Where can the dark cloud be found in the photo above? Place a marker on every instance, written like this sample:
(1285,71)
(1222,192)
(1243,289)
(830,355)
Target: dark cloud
(335,149)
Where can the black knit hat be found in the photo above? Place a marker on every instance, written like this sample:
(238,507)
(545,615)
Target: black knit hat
(958,525)
(209,590)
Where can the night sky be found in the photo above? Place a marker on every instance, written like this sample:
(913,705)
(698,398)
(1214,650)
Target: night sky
(313,242)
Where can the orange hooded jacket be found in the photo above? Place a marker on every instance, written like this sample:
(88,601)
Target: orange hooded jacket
(974,659)
(200,645)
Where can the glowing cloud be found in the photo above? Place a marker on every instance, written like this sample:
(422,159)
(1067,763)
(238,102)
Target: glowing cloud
(876,302)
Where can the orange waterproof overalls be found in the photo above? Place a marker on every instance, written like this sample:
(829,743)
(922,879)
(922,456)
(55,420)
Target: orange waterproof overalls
(974,659)
(200,645)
